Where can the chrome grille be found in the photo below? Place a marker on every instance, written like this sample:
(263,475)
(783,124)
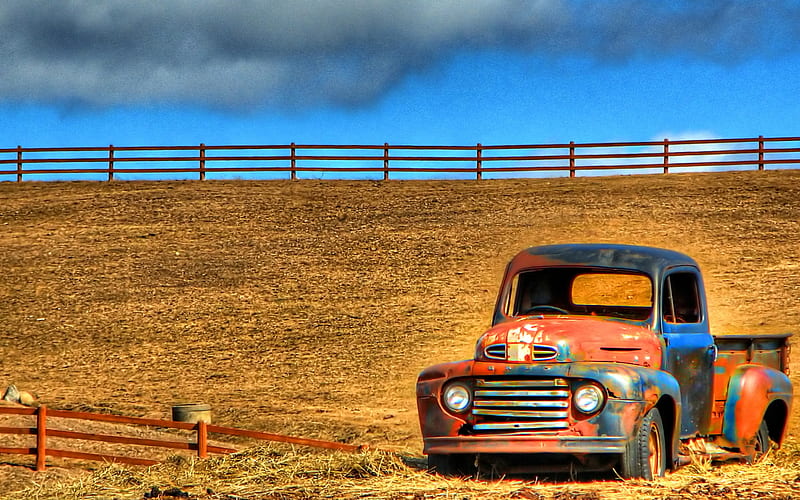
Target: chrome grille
(495,351)
(520,405)
(521,351)
(544,352)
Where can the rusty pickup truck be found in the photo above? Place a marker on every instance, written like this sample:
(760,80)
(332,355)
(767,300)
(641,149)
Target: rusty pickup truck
(600,357)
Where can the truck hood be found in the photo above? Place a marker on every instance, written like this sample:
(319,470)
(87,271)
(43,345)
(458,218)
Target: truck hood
(563,339)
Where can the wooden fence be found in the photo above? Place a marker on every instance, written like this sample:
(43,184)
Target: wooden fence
(390,161)
(201,431)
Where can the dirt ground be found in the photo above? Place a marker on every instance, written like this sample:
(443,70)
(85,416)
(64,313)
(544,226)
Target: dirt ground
(308,308)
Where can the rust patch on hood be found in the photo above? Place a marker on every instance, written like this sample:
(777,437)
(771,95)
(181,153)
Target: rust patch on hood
(568,339)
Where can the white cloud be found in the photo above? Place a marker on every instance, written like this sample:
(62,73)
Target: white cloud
(716,151)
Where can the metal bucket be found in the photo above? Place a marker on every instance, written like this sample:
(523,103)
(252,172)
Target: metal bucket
(192,412)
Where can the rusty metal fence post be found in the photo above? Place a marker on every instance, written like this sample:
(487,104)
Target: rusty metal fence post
(19,163)
(478,162)
(666,156)
(572,158)
(41,438)
(386,161)
(293,163)
(110,162)
(202,152)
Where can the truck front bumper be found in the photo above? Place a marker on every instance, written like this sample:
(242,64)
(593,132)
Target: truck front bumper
(506,443)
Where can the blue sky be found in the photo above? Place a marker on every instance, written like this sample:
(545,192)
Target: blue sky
(86,73)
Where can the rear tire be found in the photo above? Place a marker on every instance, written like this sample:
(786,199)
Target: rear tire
(645,454)
(451,465)
(762,444)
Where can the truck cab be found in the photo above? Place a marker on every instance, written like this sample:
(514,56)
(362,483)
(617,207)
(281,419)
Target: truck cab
(600,357)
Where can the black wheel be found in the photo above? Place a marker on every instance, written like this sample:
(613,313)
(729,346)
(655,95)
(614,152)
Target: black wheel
(645,454)
(451,465)
(762,444)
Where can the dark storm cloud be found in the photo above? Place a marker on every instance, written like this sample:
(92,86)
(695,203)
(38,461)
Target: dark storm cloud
(295,53)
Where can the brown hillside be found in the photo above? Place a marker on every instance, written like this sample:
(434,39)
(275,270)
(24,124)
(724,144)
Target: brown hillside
(309,307)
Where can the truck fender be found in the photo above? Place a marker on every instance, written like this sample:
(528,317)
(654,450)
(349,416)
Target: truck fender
(659,389)
(433,421)
(756,393)
(662,391)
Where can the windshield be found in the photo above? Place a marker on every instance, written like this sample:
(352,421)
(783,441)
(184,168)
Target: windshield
(602,292)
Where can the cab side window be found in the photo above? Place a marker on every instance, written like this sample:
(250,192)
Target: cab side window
(681,302)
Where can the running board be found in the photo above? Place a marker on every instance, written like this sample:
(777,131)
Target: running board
(714,457)
(700,448)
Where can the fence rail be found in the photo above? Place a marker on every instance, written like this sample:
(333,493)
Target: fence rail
(120,162)
(201,431)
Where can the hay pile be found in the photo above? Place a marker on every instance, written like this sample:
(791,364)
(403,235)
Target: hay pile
(275,472)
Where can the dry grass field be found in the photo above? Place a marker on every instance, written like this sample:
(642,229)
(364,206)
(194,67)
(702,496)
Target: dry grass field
(308,308)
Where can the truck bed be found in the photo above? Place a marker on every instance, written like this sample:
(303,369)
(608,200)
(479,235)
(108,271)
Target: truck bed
(735,350)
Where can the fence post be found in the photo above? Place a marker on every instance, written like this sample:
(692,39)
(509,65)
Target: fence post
(478,162)
(386,161)
(666,156)
(202,161)
(294,164)
(572,158)
(41,437)
(110,162)
(202,439)
(19,163)
(760,153)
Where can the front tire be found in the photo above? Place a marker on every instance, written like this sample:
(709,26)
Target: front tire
(645,454)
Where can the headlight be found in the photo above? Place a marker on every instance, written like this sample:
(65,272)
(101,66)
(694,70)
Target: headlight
(457,397)
(588,398)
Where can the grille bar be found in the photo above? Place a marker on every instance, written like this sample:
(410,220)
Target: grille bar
(520,426)
(521,413)
(522,404)
(555,382)
(524,394)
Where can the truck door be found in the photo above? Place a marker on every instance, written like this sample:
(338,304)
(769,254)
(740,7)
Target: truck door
(690,349)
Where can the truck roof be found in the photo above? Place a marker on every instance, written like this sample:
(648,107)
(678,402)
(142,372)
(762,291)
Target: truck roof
(643,259)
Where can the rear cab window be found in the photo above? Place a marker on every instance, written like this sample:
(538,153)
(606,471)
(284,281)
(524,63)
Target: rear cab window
(681,300)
